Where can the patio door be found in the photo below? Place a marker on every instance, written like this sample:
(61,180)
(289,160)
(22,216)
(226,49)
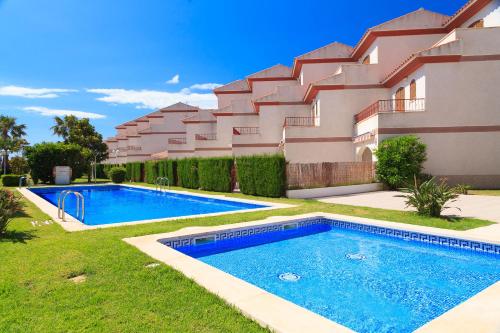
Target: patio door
(400,100)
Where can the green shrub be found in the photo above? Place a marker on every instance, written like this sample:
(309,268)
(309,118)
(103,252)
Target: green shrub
(10,180)
(135,171)
(462,189)
(399,159)
(168,168)
(150,171)
(215,174)
(187,173)
(43,157)
(263,175)
(429,197)
(19,165)
(9,206)
(117,174)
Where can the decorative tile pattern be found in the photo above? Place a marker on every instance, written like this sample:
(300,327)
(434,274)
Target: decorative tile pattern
(301,223)
(419,237)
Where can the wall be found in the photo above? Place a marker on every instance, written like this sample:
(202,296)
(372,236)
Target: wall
(490,14)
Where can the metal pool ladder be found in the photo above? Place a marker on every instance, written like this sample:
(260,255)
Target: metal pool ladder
(80,201)
(161,182)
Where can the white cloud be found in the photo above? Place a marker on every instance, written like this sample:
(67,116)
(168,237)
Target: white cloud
(56,112)
(174,80)
(205,86)
(154,99)
(25,92)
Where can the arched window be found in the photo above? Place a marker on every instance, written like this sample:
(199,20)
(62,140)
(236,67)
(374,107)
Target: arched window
(413,90)
(366,60)
(400,100)
(477,24)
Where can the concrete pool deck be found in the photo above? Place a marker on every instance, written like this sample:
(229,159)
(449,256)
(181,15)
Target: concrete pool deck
(475,206)
(478,314)
(72,224)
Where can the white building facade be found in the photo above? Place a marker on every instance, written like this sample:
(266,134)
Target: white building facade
(423,73)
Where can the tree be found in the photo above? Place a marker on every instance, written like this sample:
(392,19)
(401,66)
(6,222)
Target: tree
(43,157)
(81,132)
(11,136)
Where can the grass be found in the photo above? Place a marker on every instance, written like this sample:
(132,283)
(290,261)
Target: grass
(120,294)
(485,192)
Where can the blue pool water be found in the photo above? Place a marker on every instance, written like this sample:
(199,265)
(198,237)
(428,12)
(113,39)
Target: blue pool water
(113,203)
(367,282)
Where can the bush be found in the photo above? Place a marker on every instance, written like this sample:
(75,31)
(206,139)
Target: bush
(118,174)
(263,175)
(399,159)
(168,168)
(9,206)
(150,171)
(19,165)
(462,189)
(135,171)
(187,173)
(43,157)
(429,197)
(10,180)
(215,174)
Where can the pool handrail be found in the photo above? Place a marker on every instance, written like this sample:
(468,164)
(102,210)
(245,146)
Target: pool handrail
(160,182)
(61,213)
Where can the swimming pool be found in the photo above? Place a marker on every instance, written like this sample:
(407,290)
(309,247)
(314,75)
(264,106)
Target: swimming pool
(109,204)
(370,279)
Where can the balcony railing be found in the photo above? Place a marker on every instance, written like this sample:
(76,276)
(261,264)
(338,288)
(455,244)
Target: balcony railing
(177,141)
(245,130)
(301,121)
(391,105)
(205,137)
(134,148)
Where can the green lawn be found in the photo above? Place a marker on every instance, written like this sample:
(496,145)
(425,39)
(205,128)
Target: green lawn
(120,293)
(485,192)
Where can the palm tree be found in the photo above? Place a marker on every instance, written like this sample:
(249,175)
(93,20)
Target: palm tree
(11,136)
(63,126)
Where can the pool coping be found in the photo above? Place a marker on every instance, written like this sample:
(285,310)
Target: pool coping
(478,313)
(72,224)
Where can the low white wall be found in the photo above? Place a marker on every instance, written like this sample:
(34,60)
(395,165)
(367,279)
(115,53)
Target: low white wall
(332,191)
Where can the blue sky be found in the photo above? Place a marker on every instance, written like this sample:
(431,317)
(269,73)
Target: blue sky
(113,60)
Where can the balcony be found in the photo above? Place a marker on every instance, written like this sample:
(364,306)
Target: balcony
(134,148)
(301,122)
(206,137)
(391,105)
(177,141)
(245,130)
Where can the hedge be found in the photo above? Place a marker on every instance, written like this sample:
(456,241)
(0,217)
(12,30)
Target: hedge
(168,168)
(117,174)
(135,171)
(262,175)
(150,171)
(187,173)
(11,180)
(215,174)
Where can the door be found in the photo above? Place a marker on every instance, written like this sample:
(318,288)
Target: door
(400,100)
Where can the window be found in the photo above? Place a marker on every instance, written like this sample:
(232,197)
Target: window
(477,24)
(301,78)
(413,90)
(366,60)
(316,113)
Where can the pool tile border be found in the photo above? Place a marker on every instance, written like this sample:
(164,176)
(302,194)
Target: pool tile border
(479,312)
(72,224)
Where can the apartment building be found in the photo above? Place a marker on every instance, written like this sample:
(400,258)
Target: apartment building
(423,73)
